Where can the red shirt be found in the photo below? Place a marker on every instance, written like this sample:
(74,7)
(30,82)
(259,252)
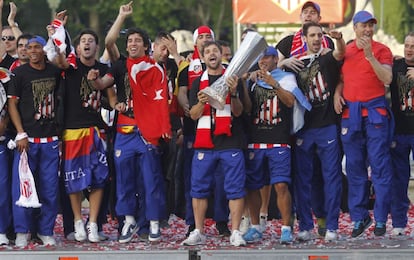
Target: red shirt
(360,81)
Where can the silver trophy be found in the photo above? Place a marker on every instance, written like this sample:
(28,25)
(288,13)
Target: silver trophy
(248,54)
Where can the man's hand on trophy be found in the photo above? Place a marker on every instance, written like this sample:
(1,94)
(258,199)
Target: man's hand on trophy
(202,98)
(231,82)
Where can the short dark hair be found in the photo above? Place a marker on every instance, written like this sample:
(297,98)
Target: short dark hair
(91,32)
(26,36)
(306,27)
(143,34)
(209,43)
(223,43)
(163,34)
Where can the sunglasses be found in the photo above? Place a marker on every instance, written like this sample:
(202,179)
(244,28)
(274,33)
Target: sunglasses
(8,38)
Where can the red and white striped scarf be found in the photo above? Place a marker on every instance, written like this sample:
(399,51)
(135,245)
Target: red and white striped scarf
(299,45)
(222,120)
(195,69)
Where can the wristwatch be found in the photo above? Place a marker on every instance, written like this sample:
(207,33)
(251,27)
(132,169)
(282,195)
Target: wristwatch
(235,95)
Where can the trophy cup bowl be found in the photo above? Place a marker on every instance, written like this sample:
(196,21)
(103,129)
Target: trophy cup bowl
(248,54)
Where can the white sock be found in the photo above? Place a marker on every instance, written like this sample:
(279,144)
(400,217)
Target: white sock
(154,225)
(257,227)
(130,219)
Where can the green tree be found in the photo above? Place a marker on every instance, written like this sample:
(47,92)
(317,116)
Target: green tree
(398,17)
(151,15)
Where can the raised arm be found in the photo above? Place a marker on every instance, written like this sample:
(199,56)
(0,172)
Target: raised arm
(113,33)
(339,51)
(2,45)
(11,20)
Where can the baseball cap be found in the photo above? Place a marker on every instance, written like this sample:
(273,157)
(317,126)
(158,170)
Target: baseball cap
(200,30)
(270,51)
(312,4)
(363,17)
(39,39)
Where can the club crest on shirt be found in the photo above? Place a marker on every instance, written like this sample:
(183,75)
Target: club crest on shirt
(251,155)
(200,156)
(117,153)
(393,144)
(299,142)
(197,68)
(344,130)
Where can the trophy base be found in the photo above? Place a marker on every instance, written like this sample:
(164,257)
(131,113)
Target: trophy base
(215,99)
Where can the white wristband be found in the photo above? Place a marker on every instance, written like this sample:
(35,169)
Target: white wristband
(21,136)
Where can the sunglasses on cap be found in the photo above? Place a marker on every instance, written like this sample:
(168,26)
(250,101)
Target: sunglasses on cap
(8,38)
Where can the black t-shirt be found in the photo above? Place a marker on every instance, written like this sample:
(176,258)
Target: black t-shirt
(7,61)
(82,101)
(402,97)
(123,89)
(285,45)
(318,80)
(36,90)
(270,120)
(172,71)
(222,142)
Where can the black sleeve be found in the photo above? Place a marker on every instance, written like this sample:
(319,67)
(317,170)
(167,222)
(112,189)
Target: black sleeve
(331,44)
(193,100)
(285,45)
(14,87)
(183,77)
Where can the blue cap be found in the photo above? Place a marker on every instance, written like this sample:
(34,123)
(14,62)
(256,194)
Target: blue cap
(312,4)
(270,51)
(39,39)
(363,17)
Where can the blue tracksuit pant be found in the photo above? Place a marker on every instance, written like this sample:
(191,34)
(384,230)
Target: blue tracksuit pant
(325,142)
(132,157)
(400,153)
(369,144)
(44,163)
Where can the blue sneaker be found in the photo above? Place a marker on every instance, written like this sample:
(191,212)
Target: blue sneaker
(361,226)
(286,236)
(252,235)
(128,231)
(380,229)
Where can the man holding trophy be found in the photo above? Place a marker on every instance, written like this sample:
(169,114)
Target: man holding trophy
(218,144)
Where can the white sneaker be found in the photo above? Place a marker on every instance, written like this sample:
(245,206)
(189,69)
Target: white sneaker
(3,240)
(195,238)
(331,235)
(21,239)
(304,235)
(398,231)
(236,238)
(244,224)
(263,222)
(80,233)
(47,240)
(93,235)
